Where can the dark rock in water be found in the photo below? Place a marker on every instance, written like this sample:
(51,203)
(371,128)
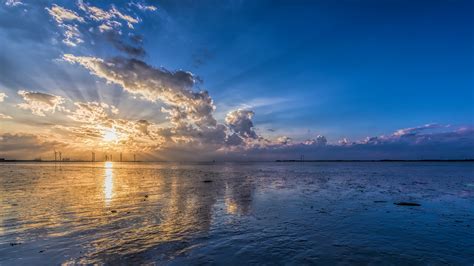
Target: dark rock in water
(207,181)
(41,251)
(146,196)
(113,211)
(380,201)
(407,204)
(15,244)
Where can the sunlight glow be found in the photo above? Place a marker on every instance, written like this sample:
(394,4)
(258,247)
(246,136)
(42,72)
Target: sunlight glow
(108,183)
(110,135)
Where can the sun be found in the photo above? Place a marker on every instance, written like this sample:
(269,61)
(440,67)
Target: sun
(110,135)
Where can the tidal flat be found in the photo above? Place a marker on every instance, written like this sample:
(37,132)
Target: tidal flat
(237,213)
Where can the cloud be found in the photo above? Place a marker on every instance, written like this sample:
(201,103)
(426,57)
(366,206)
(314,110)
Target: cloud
(142,6)
(117,42)
(283,140)
(4,116)
(187,109)
(129,19)
(319,141)
(240,122)
(98,14)
(413,135)
(72,35)
(91,121)
(344,142)
(415,130)
(105,21)
(13,3)
(61,14)
(183,141)
(2,96)
(39,102)
(234,140)
(26,146)
(109,26)
(92,112)
(191,127)
(93,12)
(424,142)
(175,89)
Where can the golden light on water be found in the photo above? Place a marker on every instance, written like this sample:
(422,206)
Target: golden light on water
(108,183)
(231,206)
(171,205)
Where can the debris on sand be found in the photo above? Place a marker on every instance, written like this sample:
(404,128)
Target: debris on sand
(407,204)
(207,181)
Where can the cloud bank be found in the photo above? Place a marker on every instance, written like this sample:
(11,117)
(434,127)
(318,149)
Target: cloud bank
(191,130)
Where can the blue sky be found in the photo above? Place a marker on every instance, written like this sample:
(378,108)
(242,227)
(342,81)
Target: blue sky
(342,67)
(339,69)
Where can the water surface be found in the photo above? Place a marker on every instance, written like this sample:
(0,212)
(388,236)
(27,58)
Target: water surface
(236,213)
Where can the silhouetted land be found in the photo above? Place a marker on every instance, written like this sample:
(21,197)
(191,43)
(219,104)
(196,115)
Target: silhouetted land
(278,161)
(68,161)
(341,161)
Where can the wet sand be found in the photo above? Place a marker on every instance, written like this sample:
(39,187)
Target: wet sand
(237,213)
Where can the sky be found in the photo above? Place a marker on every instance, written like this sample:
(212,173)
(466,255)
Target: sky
(237,80)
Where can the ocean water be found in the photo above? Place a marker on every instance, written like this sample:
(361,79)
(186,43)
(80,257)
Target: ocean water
(236,213)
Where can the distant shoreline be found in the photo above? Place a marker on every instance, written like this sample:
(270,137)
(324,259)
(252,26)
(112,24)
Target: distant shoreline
(68,161)
(381,161)
(278,161)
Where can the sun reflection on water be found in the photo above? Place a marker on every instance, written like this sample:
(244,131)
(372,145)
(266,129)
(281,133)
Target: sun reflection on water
(108,183)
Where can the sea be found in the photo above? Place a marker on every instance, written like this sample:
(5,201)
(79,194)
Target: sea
(265,213)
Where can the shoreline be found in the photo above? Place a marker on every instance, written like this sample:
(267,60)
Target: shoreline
(277,161)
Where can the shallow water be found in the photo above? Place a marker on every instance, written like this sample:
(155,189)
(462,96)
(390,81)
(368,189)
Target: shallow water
(234,214)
